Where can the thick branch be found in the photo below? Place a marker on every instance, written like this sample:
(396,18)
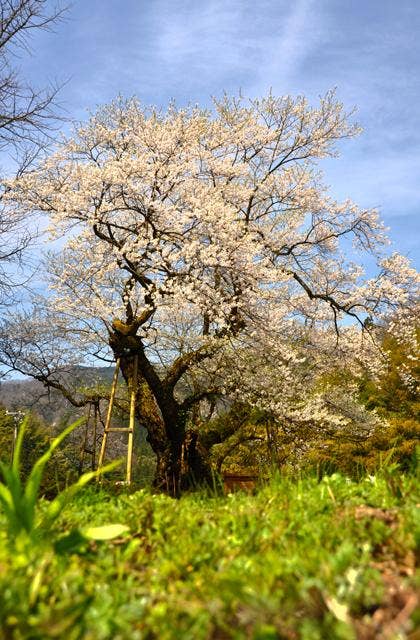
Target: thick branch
(183,363)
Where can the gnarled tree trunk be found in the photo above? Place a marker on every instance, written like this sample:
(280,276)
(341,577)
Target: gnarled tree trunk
(182,462)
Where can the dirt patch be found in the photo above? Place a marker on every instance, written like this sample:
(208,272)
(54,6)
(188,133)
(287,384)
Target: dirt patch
(388,516)
(391,620)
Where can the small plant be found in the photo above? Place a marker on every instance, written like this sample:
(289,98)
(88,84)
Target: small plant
(20,501)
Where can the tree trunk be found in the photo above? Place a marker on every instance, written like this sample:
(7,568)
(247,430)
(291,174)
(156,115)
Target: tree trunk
(168,470)
(181,462)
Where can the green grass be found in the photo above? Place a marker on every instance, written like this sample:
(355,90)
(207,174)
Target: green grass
(300,559)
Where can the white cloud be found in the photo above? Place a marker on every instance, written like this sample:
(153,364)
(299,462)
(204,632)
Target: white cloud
(299,32)
(221,43)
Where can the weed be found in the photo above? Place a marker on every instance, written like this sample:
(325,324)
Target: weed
(20,499)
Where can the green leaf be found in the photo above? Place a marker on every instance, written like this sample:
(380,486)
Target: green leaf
(12,481)
(106,532)
(10,478)
(6,498)
(18,445)
(11,496)
(35,477)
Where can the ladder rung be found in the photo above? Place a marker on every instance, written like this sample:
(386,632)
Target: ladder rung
(126,429)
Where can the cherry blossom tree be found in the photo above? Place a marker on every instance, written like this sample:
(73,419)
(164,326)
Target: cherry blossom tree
(191,231)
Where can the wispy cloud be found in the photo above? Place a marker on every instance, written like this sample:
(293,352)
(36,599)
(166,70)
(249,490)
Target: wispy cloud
(239,43)
(190,50)
(290,44)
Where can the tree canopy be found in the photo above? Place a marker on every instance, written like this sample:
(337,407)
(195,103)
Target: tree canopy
(190,232)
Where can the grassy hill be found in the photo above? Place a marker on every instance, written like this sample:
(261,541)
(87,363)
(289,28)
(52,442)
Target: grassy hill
(301,559)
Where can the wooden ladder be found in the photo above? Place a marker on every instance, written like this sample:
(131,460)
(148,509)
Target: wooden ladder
(130,429)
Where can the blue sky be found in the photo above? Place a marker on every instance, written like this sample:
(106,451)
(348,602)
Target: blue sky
(192,49)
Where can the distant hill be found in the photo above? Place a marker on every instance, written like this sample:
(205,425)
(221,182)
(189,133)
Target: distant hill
(29,394)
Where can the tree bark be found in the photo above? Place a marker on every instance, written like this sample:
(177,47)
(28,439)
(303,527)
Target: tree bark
(182,462)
